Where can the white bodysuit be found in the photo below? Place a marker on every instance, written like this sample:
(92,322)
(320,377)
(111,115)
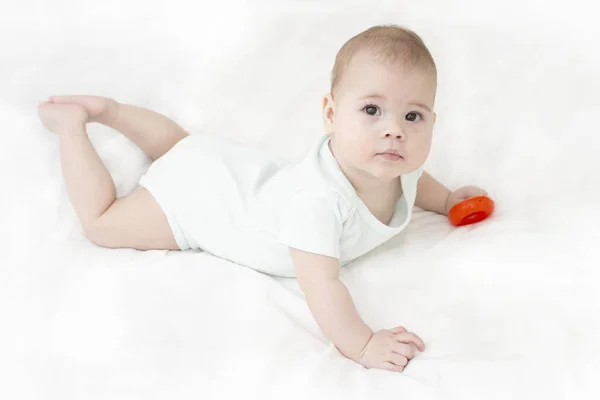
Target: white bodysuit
(248,206)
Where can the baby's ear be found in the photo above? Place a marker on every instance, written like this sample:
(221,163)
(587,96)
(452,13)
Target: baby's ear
(328,113)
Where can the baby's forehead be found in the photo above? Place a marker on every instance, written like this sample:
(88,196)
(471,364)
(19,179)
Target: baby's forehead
(368,73)
(369,62)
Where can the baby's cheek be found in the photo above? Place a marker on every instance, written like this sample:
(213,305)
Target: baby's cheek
(415,155)
(362,155)
(421,153)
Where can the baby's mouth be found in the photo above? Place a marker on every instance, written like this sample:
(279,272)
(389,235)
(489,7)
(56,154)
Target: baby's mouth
(390,155)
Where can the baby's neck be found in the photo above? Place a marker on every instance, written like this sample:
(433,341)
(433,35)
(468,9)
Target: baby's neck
(380,196)
(386,191)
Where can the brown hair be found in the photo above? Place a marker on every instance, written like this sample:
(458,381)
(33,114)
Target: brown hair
(390,42)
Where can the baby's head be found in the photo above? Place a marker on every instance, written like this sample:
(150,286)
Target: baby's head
(383,88)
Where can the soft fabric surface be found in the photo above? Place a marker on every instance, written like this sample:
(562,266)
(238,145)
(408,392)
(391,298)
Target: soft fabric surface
(508,308)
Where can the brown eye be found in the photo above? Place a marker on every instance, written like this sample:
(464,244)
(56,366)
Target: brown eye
(371,110)
(413,116)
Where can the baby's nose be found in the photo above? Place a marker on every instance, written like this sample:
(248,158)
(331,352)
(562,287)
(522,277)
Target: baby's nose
(394,129)
(397,134)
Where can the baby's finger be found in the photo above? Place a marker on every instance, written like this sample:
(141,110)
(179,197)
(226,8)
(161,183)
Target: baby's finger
(405,350)
(391,367)
(397,359)
(397,330)
(478,192)
(409,337)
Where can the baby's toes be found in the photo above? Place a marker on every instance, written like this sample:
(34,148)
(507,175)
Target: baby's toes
(99,108)
(87,102)
(74,99)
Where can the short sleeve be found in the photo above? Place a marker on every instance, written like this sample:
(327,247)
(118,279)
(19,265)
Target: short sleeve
(312,223)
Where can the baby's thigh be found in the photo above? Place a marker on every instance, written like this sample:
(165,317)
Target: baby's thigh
(135,221)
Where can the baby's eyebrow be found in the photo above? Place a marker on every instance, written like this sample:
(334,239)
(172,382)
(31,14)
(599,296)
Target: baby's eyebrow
(422,106)
(373,96)
(379,96)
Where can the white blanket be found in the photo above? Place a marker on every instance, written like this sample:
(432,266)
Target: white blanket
(509,308)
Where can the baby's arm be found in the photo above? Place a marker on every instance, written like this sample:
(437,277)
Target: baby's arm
(330,302)
(333,309)
(432,195)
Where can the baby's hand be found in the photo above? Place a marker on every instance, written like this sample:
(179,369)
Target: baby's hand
(462,194)
(390,349)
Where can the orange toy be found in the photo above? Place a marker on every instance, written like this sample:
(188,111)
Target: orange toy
(471,210)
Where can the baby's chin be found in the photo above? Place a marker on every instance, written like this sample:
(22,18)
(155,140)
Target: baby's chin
(389,172)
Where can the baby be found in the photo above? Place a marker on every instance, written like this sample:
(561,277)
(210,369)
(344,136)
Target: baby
(354,190)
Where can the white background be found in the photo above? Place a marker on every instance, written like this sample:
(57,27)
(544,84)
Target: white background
(508,308)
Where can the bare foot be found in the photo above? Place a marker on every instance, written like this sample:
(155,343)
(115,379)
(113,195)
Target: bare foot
(99,109)
(63,119)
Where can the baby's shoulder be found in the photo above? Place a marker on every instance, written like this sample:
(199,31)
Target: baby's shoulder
(318,197)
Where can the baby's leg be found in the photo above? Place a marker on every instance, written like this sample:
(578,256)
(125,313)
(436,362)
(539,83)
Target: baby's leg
(135,221)
(152,132)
